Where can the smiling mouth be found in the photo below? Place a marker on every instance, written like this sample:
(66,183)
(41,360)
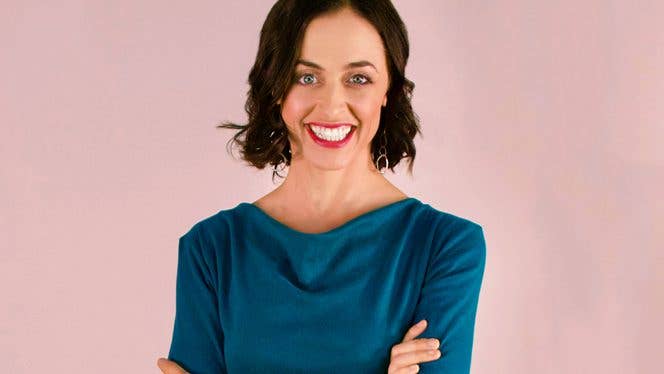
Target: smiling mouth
(331,136)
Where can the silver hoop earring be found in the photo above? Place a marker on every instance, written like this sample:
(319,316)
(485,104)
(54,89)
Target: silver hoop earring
(276,170)
(383,154)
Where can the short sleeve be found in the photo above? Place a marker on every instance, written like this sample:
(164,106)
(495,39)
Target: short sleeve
(197,342)
(450,295)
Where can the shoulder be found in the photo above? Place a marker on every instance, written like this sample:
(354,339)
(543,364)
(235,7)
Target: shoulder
(446,220)
(213,230)
(455,233)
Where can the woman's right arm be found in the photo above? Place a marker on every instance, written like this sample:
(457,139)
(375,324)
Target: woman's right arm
(197,342)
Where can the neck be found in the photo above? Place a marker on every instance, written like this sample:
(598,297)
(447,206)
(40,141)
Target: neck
(320,191)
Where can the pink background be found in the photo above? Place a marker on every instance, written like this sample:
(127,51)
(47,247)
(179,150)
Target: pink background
(542,121)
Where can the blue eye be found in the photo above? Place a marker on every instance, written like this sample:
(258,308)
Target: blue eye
(364,79)
(362,83)
(304,75)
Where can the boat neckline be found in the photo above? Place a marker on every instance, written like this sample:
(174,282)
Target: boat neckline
(331,231)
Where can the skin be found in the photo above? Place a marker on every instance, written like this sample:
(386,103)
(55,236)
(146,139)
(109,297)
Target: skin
(326,187)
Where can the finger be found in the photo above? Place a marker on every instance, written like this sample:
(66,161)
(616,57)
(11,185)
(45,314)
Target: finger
(421,344)
(169,367)
(415,330)
(415,357)
(408,370)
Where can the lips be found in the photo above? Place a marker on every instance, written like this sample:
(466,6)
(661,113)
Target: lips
(330,143)
(329,125)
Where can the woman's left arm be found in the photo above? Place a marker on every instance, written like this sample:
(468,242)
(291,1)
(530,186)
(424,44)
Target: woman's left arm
(450,295)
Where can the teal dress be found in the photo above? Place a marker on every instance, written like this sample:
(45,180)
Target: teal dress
(256,296)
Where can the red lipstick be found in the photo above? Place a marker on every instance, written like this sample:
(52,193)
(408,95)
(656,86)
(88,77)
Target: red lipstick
(330,143)
(330,125)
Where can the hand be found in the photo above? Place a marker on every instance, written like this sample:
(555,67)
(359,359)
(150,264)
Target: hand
(169,367)
(406,355)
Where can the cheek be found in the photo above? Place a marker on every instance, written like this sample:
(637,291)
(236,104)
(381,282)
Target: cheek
(295,107)
(368,108)
(299,103)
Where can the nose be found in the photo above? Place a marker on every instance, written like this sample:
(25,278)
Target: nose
(332,100)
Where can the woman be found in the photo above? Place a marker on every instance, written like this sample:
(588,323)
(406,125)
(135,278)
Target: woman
(330,271)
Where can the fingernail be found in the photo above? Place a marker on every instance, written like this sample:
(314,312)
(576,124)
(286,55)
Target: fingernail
(422,322)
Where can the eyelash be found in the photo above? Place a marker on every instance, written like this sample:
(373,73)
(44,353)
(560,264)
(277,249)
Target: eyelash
(367,79)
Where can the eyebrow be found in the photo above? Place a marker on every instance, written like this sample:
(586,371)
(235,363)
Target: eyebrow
(355,64)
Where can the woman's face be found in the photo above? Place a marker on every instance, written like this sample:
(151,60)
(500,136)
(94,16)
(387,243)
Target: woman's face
(341,78)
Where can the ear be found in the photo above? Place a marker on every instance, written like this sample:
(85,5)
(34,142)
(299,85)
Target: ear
(385,100)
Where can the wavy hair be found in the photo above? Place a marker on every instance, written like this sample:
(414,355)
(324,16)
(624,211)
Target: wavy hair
(264,139)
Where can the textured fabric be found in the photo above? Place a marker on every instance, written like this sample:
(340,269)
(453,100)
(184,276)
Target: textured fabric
(256,296)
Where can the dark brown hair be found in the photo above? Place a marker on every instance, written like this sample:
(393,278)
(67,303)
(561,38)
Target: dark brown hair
(264,139)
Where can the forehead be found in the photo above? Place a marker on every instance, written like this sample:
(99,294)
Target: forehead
(332,40)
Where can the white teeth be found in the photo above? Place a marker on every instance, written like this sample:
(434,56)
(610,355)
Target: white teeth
(331,134)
